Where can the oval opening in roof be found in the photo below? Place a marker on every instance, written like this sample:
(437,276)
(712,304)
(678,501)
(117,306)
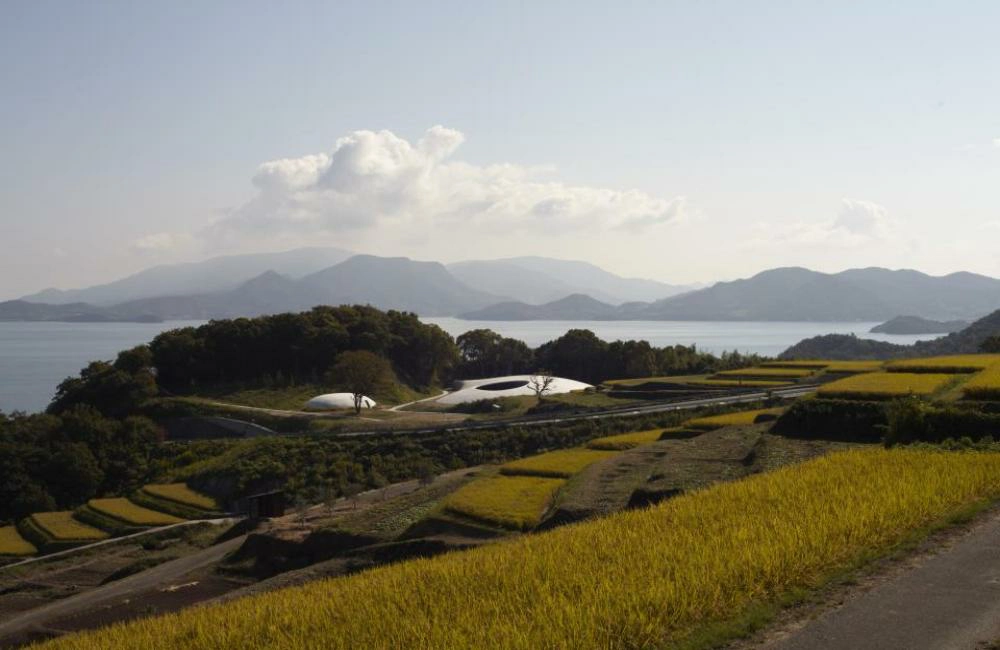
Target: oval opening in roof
(503,385)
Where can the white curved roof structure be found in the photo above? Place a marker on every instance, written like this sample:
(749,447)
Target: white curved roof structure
(473,390)
(332,401)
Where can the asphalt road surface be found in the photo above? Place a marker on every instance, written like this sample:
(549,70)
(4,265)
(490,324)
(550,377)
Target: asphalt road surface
(949,601)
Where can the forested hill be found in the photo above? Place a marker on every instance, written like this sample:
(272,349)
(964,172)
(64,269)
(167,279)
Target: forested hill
(845,346)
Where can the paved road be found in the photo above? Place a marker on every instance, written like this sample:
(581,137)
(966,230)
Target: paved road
(160,576)
(641,409)
(949,601)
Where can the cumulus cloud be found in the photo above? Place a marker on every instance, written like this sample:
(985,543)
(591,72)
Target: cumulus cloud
(376,179)
(857,223)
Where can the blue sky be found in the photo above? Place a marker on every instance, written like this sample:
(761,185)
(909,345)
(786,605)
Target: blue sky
(679,141)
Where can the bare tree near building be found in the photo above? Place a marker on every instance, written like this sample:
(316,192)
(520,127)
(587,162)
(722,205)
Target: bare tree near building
(541,383)
(361,373)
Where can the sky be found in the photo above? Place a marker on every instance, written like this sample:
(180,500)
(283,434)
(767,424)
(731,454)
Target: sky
(680,141)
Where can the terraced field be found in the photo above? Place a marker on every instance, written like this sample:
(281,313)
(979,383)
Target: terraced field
(886,385)
(63,527)
(730,419)
(12,544)
(123,510)
(645,578)
(563,463)
(625,441)
(766,372)
(985,385)
(837,367)
(515,502)
(182,494)
(955,364)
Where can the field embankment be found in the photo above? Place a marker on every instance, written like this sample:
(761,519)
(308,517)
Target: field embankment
(644,578)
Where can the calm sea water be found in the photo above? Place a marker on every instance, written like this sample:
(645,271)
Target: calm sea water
(35,357)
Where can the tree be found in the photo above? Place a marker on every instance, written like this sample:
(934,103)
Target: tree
(360,373)
(541,383)
(991,344)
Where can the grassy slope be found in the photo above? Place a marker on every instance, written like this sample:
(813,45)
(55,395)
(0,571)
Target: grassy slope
(638,579)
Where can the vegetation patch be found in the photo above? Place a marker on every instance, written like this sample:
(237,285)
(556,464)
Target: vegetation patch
(515,502)
(125,511)
(886,385)
(12,544)
(64,527)
(644,578)
(732,419)
(555,464)
(626,440)
(959,363)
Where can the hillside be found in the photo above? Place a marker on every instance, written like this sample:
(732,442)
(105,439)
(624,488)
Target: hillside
(918,325)
(572,307)
(209,276)
(844,346)
(537,280)
(797,294)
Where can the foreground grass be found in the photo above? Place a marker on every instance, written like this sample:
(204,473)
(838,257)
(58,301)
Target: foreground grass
(645,578)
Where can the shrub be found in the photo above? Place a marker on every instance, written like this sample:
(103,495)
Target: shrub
(834,419)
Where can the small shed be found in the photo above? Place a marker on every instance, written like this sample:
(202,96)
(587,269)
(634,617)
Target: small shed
(266,504)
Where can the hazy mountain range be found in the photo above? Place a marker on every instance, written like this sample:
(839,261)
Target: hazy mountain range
(521,288)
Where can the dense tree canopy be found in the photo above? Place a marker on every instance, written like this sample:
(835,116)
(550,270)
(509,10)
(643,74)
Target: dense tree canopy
(52,462)
(300,347)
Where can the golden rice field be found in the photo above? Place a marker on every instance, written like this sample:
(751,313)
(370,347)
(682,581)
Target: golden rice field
(828,366)
(182,494)
(12,544)
(746,383)
(624,441)
(563,463)
(729,419)
(985,385)
(639,579)
(883,385)
(959,363)
(62,527)
(124,510)
(516,502)
(760,371)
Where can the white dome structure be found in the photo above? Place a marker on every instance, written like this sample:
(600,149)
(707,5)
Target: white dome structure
(473,390)
(333,401)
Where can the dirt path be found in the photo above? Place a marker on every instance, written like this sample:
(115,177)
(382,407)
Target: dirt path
(164,577)
(949,600)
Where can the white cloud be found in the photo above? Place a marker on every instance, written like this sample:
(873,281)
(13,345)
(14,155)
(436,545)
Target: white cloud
(996,142)
(161,242)
(377,180)
(857,223)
